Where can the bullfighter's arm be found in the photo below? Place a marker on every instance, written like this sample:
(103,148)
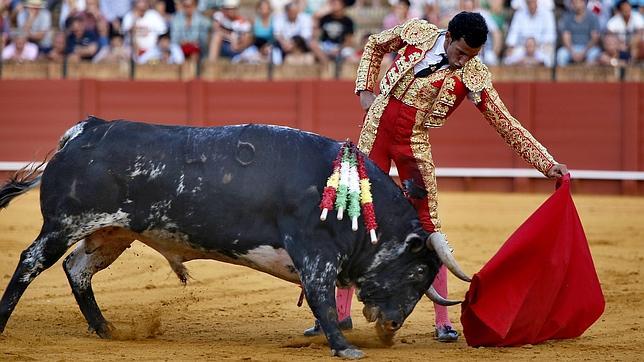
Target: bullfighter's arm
(377,46)
(523,143)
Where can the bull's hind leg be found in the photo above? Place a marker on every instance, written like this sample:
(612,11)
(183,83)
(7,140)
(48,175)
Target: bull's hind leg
(95,253)
(40,255)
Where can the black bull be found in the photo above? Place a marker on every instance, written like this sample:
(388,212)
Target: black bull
(245,195)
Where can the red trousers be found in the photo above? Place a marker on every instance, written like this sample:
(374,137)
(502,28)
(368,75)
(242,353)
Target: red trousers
(401,139)
(398,139)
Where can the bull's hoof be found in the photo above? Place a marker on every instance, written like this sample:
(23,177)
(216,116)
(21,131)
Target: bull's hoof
(349,353)
(345,324)
(105,330)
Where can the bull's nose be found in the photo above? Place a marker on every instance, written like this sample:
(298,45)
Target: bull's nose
(392,326)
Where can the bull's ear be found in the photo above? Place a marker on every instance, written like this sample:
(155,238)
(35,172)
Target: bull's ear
(415,242)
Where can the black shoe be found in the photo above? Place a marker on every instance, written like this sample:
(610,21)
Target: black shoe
(446,334)
(344,324)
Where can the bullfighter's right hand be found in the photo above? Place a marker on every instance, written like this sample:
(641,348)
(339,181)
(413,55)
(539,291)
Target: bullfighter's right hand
(366,99)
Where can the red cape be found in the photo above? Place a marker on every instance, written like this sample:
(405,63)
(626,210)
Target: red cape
(540,285)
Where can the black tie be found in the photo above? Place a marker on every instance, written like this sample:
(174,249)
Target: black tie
(432,68)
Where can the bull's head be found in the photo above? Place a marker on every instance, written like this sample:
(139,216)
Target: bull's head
(400,274)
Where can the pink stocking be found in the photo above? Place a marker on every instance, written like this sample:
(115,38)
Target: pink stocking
(343,299)
(440,284)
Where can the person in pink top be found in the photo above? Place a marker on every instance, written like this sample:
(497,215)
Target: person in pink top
(20,49)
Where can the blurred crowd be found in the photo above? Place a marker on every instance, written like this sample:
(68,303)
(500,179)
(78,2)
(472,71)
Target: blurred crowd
(522,32)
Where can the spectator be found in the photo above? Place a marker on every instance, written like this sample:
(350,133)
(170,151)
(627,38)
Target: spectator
(292,22)
(579,35)
(57,51)
(20,50)
(114,11)
(334,34)
(263,25)
(431,12)
(92,16)
(164,53)
(5,21)
(499,13)
(81,44)
(143,25)
(536,23)
(115,52)
(628,25)
(208,7)
(527,55)
(103,30)
(492,48)
(35,21)
(611,54)
(190,30)
(162,8)
(68,9)
(232,33)
(602,10)
(548,5)
(301,53)
(398,14)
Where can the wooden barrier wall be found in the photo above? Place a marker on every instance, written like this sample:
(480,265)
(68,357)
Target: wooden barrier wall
(593,126)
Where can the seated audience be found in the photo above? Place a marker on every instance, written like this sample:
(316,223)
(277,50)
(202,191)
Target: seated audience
(20,49)
(579,30)
(165,52)
(334,34)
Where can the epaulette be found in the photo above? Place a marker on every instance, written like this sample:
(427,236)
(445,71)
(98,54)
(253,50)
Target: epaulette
(417,31)
(476,76)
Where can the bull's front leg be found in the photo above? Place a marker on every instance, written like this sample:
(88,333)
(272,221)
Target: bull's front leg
(318,277)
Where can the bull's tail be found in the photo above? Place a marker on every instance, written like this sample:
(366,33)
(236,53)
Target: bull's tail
(22,181)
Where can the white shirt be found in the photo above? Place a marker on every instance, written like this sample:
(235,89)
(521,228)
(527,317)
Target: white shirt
(540,26)
(617,25)
(147,28)
(433,55)
(29,52)
(303,26)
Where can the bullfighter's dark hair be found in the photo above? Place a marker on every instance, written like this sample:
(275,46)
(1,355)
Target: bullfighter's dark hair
(469,26)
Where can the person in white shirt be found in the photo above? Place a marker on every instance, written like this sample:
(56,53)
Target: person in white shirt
(20,49)
(628,25)
(144,25)
(536,23)
(293,22)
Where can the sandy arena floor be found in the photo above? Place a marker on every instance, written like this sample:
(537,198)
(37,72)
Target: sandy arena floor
(233,313)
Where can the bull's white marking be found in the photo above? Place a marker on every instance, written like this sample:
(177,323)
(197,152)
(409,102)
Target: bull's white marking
(86,223)
(317,276)
(197,187)
(159,209)
(390,251)
(181,186)
(33,260)
(227,178)
(143,167)
(80,265)
(274,261)
(70,134)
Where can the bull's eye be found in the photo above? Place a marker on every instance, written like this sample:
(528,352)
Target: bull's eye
(417,273)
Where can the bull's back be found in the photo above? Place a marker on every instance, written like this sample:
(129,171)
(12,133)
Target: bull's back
(201,180)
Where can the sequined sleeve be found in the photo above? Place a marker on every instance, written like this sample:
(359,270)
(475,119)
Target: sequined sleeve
(513,133)
(377,46)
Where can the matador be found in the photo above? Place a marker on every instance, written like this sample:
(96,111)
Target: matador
(434,70)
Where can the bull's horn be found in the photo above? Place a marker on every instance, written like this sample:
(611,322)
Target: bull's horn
(432,294)
(437,242)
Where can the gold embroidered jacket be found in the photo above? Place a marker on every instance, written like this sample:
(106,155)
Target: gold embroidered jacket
(438,95)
